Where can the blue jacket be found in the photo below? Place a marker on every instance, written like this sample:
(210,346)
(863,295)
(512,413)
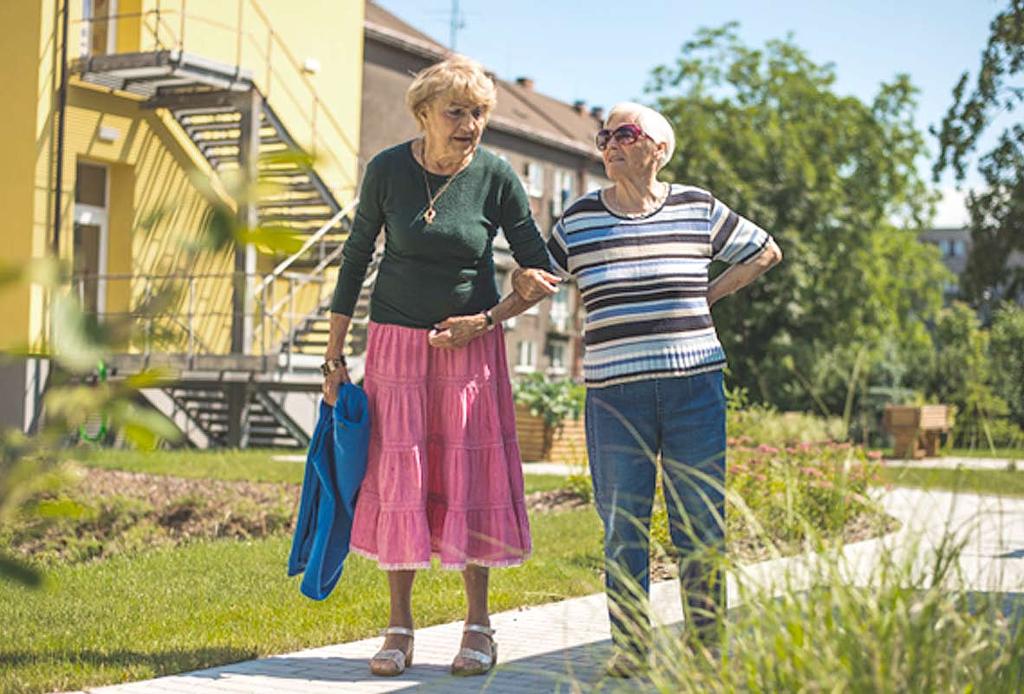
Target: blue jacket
(335,466)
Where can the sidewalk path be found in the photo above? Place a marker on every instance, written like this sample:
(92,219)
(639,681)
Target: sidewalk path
(953,462)
(560,647)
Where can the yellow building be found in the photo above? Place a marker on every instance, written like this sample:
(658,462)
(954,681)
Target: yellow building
(129,124)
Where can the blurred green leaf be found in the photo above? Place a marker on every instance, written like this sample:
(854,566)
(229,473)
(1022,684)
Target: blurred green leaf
(144,428)
(149,378)
(78,340)
(272,239)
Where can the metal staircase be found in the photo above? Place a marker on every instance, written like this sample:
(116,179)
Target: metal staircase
(265,424)
(208,101)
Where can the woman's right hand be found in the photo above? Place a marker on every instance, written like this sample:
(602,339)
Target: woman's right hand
(532,284)
(332,382)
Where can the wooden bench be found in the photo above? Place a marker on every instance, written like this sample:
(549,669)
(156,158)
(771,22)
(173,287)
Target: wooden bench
(916,431)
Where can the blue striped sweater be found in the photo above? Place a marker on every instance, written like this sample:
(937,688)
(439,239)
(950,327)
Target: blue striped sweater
(644,282)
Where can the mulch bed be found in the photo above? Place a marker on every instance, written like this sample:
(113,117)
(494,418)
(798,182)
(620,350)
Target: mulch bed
(124,511)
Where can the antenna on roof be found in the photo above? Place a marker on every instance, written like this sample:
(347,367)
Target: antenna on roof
(457,23)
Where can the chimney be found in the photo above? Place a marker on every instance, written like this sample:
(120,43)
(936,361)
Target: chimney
(525,82)
(579,106)
(597,112)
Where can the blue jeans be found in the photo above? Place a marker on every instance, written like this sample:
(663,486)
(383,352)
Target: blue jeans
(629,426)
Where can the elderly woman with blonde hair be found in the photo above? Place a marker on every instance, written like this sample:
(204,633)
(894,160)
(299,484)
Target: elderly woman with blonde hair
(444,476)
(640,252)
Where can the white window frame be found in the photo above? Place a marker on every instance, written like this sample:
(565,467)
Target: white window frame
(553,368)
(530,364)
(560,311)
(564,181)
(98,216)
(535,179)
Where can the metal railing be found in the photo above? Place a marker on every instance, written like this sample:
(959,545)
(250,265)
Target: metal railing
(172,24)
(187,313)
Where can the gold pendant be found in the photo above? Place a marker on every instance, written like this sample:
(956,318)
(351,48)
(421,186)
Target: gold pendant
(429,215)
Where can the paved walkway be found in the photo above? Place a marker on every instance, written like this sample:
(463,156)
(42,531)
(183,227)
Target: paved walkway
(952,462)
(560,647)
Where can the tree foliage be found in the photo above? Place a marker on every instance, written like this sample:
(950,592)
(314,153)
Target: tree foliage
(993,271)
(836,181)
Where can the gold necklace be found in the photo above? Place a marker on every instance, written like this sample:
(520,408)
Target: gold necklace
(431,213)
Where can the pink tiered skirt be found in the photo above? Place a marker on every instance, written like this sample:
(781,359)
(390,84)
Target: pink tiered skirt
(444,476)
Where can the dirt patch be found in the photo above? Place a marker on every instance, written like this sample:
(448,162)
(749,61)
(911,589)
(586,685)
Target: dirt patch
(121,512)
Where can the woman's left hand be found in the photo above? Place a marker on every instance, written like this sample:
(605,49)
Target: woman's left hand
(457,331)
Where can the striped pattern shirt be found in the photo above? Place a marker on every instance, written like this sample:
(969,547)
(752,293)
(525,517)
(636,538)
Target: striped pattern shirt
(644,282)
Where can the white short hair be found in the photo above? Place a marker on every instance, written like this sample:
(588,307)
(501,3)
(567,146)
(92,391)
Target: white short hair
(652,122)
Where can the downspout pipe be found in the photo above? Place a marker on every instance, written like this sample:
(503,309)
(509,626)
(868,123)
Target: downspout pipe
(62,104)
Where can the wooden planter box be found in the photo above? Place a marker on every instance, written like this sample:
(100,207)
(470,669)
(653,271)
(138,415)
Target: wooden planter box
(567,444)
(916,431)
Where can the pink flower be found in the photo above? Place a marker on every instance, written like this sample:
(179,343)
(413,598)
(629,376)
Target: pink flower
(765,448)
(875,455)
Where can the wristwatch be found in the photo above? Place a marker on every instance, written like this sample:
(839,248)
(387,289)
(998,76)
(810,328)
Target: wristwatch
(331,365)
(489,318)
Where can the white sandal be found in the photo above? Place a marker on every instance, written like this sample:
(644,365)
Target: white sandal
(483,661)
(394,657)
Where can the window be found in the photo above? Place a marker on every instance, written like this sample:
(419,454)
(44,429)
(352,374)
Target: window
(526,357)
(563,192)
(534,179)
(98,30)
(556,357)
(959,248)
(560,309)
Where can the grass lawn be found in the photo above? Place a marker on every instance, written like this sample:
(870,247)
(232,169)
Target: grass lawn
(250,465)
(997,482)
(168,611)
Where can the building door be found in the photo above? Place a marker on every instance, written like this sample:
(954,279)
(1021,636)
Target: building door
(99,30)
(89,253)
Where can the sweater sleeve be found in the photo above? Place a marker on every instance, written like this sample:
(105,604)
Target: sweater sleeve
(358,249)
(518,225)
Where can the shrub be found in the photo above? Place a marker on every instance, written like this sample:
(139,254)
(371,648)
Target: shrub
(554,401)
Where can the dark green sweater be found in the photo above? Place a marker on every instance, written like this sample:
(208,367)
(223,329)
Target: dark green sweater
(432,271)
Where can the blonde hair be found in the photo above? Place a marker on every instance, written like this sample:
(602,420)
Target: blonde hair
(457,77)
(652,122)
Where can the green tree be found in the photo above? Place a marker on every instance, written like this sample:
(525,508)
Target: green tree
(998,206)
(961,374)
(1007,351)
(836,181)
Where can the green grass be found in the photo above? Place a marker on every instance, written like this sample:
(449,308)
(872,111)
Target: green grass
(169,611)
(248,465)
(996,482)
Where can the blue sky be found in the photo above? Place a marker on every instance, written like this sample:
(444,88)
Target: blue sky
(603,51)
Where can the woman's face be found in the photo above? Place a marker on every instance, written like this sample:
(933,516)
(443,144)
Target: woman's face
(633,160)
(453,126)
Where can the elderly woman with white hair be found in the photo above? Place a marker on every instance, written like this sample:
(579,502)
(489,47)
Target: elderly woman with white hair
(640,252)
(444,476)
